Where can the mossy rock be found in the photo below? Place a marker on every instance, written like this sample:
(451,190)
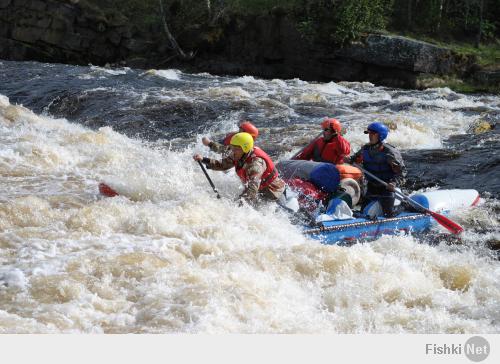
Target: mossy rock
(480,127)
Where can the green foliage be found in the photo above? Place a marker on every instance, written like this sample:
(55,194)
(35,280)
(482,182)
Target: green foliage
(487,55)
(307,29)
(323,21)
(260,6)
(139,12)
(448,19)
(488,30)
(356,16)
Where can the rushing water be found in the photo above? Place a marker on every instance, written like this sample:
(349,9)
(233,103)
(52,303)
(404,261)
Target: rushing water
(167,256)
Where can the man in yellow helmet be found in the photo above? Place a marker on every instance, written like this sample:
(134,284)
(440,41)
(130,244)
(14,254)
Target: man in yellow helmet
(254,167)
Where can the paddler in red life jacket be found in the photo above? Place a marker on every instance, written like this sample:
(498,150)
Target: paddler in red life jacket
(331,147)
(384,161)
(245,127)
(254,167)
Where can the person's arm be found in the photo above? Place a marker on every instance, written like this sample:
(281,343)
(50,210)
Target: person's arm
(218,147)
(216,165)
(356,157)
(214,146)
(343,149)
(397,165)
(307,152)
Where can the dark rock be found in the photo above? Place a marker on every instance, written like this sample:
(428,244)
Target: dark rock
(72,41)
(4,3)
(99,27)
(20,3)
(43,23)
(36,5)
(101,52)
(63,12)
(4,30)
(28,19)
(114,37)
(472,153)
(53,37)
(487,77)
(137,62)
(136,45)
(60,24)
(26,34)
(86,33)
(402,53)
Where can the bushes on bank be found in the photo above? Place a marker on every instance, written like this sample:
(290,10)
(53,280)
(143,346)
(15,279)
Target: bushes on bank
(337,21)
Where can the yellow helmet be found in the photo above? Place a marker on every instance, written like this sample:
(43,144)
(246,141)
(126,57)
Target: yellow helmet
(243,140)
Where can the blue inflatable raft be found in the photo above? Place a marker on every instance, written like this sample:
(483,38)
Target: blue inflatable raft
(351,230)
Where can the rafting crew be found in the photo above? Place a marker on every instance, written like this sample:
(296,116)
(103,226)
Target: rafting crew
(331,147)
(253,166)
(223,147)
(260,177)
(385,162)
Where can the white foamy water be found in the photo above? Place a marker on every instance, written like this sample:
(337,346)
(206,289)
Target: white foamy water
(169,74)
(167,256)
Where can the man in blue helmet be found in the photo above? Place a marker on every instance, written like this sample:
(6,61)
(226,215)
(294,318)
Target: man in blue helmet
(384,161)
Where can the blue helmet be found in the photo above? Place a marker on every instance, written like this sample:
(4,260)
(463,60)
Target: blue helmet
(380,128)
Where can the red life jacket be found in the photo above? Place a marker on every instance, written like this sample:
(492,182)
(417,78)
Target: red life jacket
(332,151)
(269,175)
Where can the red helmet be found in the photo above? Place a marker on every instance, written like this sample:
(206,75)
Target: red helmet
(249,128)
(332,124)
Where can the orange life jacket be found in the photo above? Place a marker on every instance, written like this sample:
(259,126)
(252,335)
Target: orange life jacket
(269,175)
(348,171)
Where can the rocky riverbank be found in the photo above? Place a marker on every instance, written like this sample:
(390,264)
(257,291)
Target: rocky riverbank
(268,46)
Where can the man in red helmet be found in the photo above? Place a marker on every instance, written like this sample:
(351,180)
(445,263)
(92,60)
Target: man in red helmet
(331,147)
(245,127)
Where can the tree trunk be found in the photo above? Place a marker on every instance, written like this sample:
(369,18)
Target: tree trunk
(170,37)
(440,15)
(467,7)
(409,18)
(480,28)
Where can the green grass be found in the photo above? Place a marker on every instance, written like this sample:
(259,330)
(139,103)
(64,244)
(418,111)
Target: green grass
(488,56)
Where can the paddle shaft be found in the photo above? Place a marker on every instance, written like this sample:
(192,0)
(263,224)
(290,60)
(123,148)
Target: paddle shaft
(300,151)
(208,178)
(442,220)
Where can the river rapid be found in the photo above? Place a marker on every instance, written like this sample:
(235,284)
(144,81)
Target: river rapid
(166,256)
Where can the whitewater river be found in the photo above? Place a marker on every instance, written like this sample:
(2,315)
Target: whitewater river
(168,257)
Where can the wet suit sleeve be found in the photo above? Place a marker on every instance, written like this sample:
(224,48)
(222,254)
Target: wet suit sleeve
(397,164)
(307,152)
(343,149)
(216,165)
(357,157)
(218,147)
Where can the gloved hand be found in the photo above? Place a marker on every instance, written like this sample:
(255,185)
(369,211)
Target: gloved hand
(205,141)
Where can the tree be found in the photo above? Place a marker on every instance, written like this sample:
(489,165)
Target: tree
(480,26)
(169,35)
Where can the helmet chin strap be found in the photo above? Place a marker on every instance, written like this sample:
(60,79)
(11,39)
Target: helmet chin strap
(243,158)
